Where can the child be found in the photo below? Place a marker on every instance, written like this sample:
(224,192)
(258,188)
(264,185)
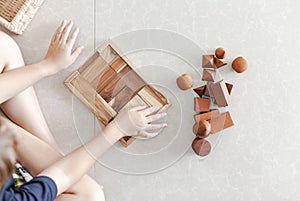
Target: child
(25,137)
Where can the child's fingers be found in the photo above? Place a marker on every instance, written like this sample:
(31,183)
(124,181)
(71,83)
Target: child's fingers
(72,38)
(150,110)
(58,31)
(66,32)
(137,108)
(155,117)
(146,135)
(77,52)
(156,126)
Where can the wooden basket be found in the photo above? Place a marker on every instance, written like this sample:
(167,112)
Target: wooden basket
(107,83)
(15,15)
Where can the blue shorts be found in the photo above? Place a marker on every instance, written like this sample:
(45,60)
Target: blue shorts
(40,188)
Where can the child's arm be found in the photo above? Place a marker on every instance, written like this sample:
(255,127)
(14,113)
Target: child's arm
(59,56)
(137,121)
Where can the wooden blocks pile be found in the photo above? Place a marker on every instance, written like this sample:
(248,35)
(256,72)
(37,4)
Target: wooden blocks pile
(209,121)
(107,83)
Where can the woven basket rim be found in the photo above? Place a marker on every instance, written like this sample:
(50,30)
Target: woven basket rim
(23,16)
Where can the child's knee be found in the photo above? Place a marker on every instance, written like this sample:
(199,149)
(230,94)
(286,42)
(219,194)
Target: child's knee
(10,54)
(95,193)
(92,192)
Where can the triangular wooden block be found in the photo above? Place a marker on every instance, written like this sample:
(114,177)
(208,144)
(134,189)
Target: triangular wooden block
(218,63)
(200,90)
(229,87)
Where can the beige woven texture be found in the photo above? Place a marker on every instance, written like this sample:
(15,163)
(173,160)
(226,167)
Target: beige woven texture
(15,15)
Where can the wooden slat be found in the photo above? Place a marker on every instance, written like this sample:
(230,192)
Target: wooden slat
(95,69)
(118,64)
(152,97)
(114,86)
(82,89)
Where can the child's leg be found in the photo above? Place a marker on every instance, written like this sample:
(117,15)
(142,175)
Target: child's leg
(35,155)
(23,109)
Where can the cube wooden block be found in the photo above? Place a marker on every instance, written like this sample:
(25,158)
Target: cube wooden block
(201,104)
(220,93)
(208,61)
(208,75)
(107,82)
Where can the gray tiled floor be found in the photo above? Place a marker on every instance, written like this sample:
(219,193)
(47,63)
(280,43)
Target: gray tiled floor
(258,158)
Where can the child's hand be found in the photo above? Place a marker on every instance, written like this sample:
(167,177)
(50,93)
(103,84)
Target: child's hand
(138,122)
(60,54)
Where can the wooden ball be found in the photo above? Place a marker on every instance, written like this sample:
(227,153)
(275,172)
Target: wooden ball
(201,147)
(202,129)
(240,64)
(220,53)
(185,81)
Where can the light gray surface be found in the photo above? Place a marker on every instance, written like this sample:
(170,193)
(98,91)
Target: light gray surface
(258,159)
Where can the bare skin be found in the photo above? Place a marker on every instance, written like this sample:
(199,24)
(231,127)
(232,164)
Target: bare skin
(20,105)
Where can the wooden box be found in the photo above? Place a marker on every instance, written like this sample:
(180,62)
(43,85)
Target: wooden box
(107,83)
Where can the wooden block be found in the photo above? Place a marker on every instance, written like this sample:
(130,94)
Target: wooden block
(200,90)
(104,79)
(201,147)
(217,123)
(115,85)
(108,53)
(122,98)
(118,64)
(133,80)
(82,89)
(202,129)
(89,62)
(228,121)
(221,122)
(201,104)
(220,93)
(208,75)
(208,91)
(218,63)
(96,67)
(208,61)
(152,97)
(206,116)
(229,87)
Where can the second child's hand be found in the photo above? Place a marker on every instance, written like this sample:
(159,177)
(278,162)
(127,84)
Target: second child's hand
(60,54)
